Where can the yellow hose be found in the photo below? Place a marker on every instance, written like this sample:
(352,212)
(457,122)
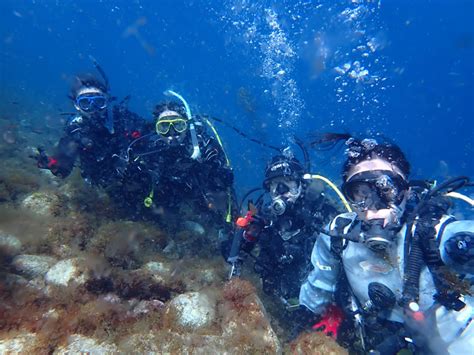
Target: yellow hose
(331,185)
(228,217)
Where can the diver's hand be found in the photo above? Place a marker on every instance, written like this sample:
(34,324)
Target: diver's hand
(120,165)
(43,161)
(252,225)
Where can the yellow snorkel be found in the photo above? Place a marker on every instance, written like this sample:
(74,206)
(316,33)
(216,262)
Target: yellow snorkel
(196,151)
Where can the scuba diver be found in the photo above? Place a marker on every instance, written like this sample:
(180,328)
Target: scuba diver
(398,264)
(93,134)
(282,227)
(184,165)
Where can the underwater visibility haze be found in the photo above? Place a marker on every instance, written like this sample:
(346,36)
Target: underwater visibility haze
(79,275)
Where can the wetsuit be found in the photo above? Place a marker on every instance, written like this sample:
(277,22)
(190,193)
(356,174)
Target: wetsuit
(89,139)
(175,179)
(286,242)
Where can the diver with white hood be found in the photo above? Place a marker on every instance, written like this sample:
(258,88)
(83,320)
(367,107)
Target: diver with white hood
(400,261)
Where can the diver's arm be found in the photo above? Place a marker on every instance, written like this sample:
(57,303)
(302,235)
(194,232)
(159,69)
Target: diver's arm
(457,246)
(316,292)
(62,161)
(65,156)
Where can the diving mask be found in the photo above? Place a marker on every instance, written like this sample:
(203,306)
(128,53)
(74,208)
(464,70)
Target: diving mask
(90,102)
(375,190)
(283,192)
(284,187)
(179,124)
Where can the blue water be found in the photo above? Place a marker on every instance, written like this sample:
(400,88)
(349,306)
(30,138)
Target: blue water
(271,68)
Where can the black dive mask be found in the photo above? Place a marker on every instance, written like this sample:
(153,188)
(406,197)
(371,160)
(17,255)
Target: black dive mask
(91,102)
(375,190)
(283,193)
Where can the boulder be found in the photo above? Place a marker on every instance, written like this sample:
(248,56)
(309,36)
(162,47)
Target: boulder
(67,272)
(41,203)
(160,271)
(316,343)
(9,244)
(20,343)
(32,266)
(192,310)
(79,344)
(175,343)
(244,320)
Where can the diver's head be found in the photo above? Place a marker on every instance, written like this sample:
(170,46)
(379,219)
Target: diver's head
(376,183)
(283,181)
(89,95)
(171,122)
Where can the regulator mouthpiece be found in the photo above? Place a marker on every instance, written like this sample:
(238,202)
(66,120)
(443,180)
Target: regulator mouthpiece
(278,207)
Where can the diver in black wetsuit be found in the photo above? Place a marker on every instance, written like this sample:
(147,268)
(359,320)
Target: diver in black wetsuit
(94,134)
(285,228)
(184,166)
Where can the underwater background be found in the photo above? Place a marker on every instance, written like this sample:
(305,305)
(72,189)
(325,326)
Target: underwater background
(401,70)
(271,68)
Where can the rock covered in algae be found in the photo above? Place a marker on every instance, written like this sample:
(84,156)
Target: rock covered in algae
(32,266)
(66,273)
(41,203)
(232,330)
(316,343)
(192,310)
(243,310)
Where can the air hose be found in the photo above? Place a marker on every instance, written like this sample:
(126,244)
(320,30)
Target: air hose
(241,133)
(228,217)
(332,186)
(414,263)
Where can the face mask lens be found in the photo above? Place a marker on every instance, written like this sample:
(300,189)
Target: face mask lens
(180,125)
(163,127)
(84,103)
(375,192)
(282,189)
(362,194)
(99,102)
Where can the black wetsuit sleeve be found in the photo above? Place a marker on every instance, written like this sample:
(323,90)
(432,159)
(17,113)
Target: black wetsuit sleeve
(62,161)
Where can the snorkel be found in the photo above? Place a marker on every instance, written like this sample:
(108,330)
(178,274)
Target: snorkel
(196,151)
(109,121)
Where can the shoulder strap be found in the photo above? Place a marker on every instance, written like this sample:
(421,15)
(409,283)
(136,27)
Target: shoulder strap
(340,226)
